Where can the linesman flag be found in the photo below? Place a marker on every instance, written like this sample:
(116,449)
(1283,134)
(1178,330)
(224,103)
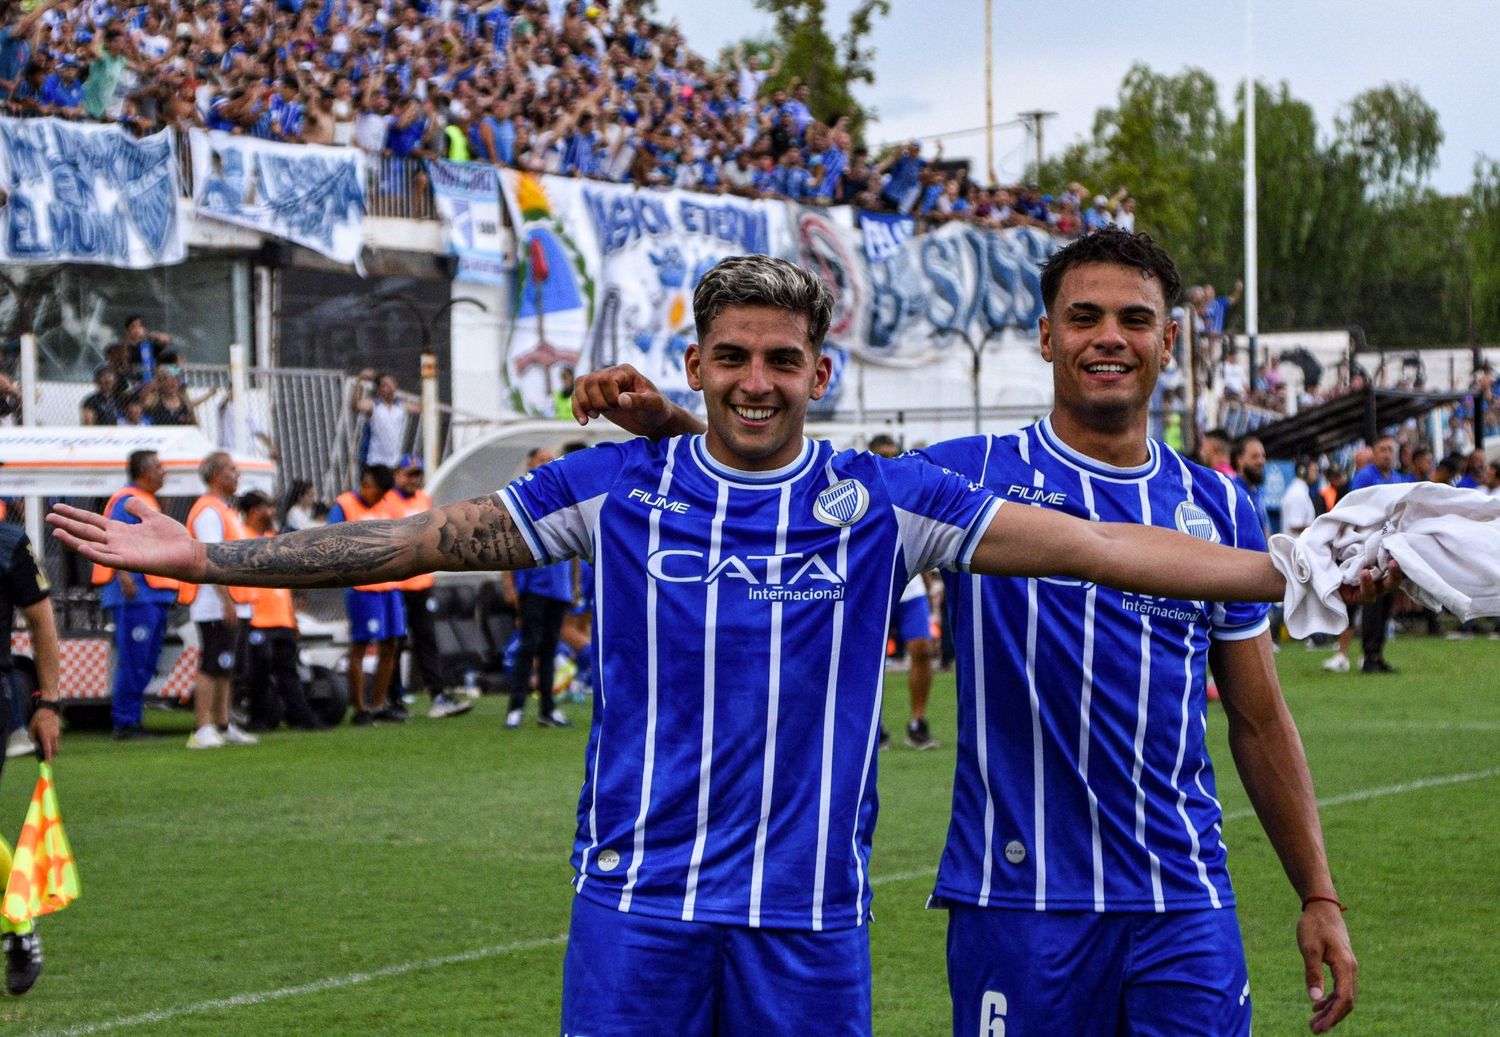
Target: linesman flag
(43,875)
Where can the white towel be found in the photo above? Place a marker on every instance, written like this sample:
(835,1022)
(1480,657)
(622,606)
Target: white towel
(1446,541)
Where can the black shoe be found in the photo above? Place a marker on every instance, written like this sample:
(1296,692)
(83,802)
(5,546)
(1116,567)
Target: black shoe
(885,739)
(23,961)
(392,715)
(917,736)
(134,733)
(1376,666)
(362,718)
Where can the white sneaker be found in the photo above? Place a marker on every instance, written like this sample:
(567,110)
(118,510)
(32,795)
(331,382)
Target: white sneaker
(19,744)
(443,706)
(235,735)
(206,737)
(513,719)
(1338,663)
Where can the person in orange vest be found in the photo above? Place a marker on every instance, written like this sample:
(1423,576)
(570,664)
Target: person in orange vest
(137,605)
(219,612)
(271,672)
(408,498)
(376,613)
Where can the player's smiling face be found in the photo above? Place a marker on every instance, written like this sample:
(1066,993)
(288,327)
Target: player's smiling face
(1107,337)
(757,372)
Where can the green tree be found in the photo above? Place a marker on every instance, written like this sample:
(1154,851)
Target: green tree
(1348,230)
(1396,133)
(1164,141)
(1480,292)
(830,68)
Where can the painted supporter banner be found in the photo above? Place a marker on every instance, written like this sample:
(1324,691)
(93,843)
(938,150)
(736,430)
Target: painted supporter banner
(82,193)
(605,274)
(467,195)
(306,193)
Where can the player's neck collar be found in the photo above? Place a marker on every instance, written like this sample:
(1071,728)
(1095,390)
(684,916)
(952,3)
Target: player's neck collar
(1083,462)
(719,470)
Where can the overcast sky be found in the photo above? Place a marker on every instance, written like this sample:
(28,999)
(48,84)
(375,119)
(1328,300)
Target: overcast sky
(1070,59)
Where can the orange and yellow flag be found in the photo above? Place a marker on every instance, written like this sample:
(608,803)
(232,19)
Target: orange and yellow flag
(43,876)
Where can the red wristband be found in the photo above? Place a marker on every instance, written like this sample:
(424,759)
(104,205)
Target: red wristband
(1327,900)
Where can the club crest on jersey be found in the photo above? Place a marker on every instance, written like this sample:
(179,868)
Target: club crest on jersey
(842,504)
(1194,521)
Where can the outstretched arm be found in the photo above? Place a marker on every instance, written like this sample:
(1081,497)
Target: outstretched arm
(1273,767)
(477,534)
(1028,541)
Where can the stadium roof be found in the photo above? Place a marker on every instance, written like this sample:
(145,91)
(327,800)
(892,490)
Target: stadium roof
(1356,415)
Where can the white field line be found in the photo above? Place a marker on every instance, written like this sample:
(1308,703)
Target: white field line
(502,950)
(1387,790)
(317,986)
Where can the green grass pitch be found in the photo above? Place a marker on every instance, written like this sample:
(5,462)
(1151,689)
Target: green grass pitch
(414,880)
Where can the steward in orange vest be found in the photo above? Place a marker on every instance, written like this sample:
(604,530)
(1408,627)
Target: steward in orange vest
(276,690)
(354,508)
(233,530)
(376,612)
(408,498)
(137,605)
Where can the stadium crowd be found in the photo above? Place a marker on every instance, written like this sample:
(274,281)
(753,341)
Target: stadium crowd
(596,91)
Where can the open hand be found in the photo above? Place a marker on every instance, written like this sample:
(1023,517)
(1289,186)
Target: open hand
(157,544)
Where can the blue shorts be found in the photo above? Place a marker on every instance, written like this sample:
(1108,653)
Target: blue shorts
(374,615)
(913,620)
(1177,974)
(627,975)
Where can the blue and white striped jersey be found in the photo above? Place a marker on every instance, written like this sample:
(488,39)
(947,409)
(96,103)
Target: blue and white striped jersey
(1083,782)
(739,621)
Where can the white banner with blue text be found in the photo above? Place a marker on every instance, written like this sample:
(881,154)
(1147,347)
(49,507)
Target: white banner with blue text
(306,193)
(83,193)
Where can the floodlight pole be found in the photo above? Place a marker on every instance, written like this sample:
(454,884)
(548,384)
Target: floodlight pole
(1252,244)
(989,90)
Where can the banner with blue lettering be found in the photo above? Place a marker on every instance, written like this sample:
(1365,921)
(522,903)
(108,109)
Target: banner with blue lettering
(467,195)
(306,193)
(84,193)
(885,233)
(605,274)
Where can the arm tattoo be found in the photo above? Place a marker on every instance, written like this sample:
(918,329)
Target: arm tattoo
(476,534)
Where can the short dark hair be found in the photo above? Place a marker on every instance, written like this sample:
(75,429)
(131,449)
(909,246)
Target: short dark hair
(757,280)
(135,464)
(380,474)
(1120,247)
(253,499)
(1240,446)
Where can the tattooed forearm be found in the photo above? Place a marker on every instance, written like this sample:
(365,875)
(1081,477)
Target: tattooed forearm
(344,554)
(475,534)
